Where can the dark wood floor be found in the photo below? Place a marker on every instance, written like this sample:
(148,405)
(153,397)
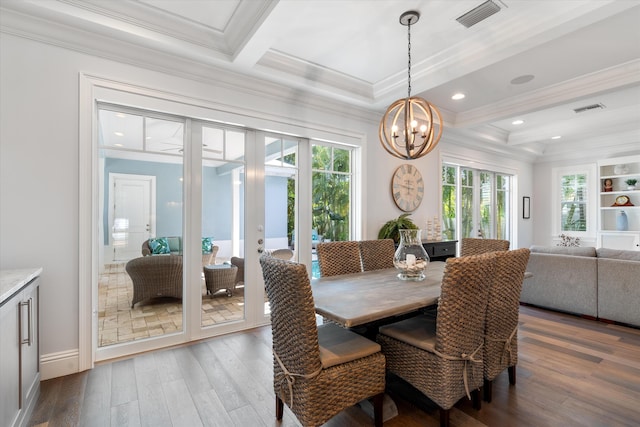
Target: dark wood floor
(571,372)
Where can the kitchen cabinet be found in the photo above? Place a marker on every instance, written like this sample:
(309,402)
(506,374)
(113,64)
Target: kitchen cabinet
(19,345)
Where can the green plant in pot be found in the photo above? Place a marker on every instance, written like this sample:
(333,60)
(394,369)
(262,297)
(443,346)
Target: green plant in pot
(631,183)
(391,229)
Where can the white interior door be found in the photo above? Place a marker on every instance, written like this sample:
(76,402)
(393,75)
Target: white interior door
(133,206)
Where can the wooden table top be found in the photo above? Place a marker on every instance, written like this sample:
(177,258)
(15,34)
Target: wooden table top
(359,298)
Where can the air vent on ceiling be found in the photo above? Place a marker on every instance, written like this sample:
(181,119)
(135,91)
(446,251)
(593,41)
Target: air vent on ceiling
(478,13)
(588,107)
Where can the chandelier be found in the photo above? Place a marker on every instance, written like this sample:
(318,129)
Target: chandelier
(411,127)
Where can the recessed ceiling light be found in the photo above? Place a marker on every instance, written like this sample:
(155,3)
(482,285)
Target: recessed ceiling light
(458,96)
(118,134)
(522,79)
(121,115)
(118,145)
(556,137)
(517,122)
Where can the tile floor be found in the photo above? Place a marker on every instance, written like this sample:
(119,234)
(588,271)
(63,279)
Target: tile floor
(119,323)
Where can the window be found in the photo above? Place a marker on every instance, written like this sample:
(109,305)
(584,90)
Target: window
(484,207)
(332,188)
(573,202)
(574,206)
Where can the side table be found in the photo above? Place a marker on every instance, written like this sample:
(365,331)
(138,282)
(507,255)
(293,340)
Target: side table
(220,276)
(440,250)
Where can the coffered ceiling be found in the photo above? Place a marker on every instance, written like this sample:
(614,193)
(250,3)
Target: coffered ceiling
(577,53)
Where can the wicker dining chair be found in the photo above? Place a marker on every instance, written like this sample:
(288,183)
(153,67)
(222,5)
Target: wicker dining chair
(501,322)
(377,254)
(442,356)
(335,258)
(474,246)
(318,370)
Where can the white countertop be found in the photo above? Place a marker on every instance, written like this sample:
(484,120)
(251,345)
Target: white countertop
(12,281)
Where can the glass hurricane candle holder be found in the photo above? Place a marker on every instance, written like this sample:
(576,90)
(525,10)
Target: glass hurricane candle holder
(411,259)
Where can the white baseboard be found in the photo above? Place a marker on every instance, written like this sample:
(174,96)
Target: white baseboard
(59,364)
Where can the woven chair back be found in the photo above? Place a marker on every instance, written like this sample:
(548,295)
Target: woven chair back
(335,258)
(502,311)
(155,276)
(472,246)
(238,262)
(377,254)
(293,320)
(462,305)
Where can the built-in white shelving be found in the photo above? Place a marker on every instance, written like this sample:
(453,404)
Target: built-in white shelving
(618,170)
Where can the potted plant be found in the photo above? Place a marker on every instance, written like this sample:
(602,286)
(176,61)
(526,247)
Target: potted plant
(391,229)
(631,183)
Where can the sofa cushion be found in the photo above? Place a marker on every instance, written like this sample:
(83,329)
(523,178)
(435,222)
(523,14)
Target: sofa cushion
(159,245)
(564,250)
(207,243)
(618,254)
(175,244)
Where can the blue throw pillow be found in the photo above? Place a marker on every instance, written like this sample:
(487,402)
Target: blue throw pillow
(207,242)
(159,245)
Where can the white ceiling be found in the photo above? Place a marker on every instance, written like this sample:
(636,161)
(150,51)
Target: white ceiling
(580,52)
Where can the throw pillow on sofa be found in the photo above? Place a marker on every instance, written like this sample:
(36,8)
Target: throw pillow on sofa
(207,243)
(159,245)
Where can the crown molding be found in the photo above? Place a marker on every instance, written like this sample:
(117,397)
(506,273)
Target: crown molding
(627,74)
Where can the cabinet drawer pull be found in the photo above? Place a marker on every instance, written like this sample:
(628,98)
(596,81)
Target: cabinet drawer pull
(29,304)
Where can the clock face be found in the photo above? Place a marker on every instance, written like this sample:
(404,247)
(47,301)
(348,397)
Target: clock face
(407,187)
(622,200)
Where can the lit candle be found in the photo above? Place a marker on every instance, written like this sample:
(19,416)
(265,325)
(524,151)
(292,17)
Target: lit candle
(423,130)
(411,260)
(394,131)
(414,125)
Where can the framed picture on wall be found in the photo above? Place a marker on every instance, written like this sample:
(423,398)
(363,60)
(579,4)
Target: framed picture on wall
(526,207)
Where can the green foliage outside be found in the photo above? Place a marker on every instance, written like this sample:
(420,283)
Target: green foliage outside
(574,192)
(331,192)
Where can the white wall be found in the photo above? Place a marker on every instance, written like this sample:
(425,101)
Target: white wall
(39,142)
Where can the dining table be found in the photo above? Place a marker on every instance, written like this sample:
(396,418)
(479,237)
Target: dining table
(373,296)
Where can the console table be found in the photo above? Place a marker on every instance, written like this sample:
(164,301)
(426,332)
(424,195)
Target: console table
(440,250)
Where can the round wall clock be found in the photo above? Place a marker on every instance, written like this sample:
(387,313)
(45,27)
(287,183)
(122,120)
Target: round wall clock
(407,187)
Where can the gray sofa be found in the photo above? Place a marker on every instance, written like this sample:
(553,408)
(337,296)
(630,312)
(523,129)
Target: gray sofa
(602,283)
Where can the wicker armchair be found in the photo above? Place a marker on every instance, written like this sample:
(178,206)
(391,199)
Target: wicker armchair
(155,276)
(285,254)
(442,357)
(318,370)
(472,246)
(336,258)
(377,254)
(501,323)
(238,262)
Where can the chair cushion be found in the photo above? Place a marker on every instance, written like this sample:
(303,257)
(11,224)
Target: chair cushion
(418,331)
(207,243)
(159,245)
(175,244)
(339,345)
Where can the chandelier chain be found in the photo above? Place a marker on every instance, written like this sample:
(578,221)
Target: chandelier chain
(409,61)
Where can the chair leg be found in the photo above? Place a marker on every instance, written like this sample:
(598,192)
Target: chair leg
(279,408)
(444,417)
(512,374)
(488,384)
(378,402)
(476,400)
